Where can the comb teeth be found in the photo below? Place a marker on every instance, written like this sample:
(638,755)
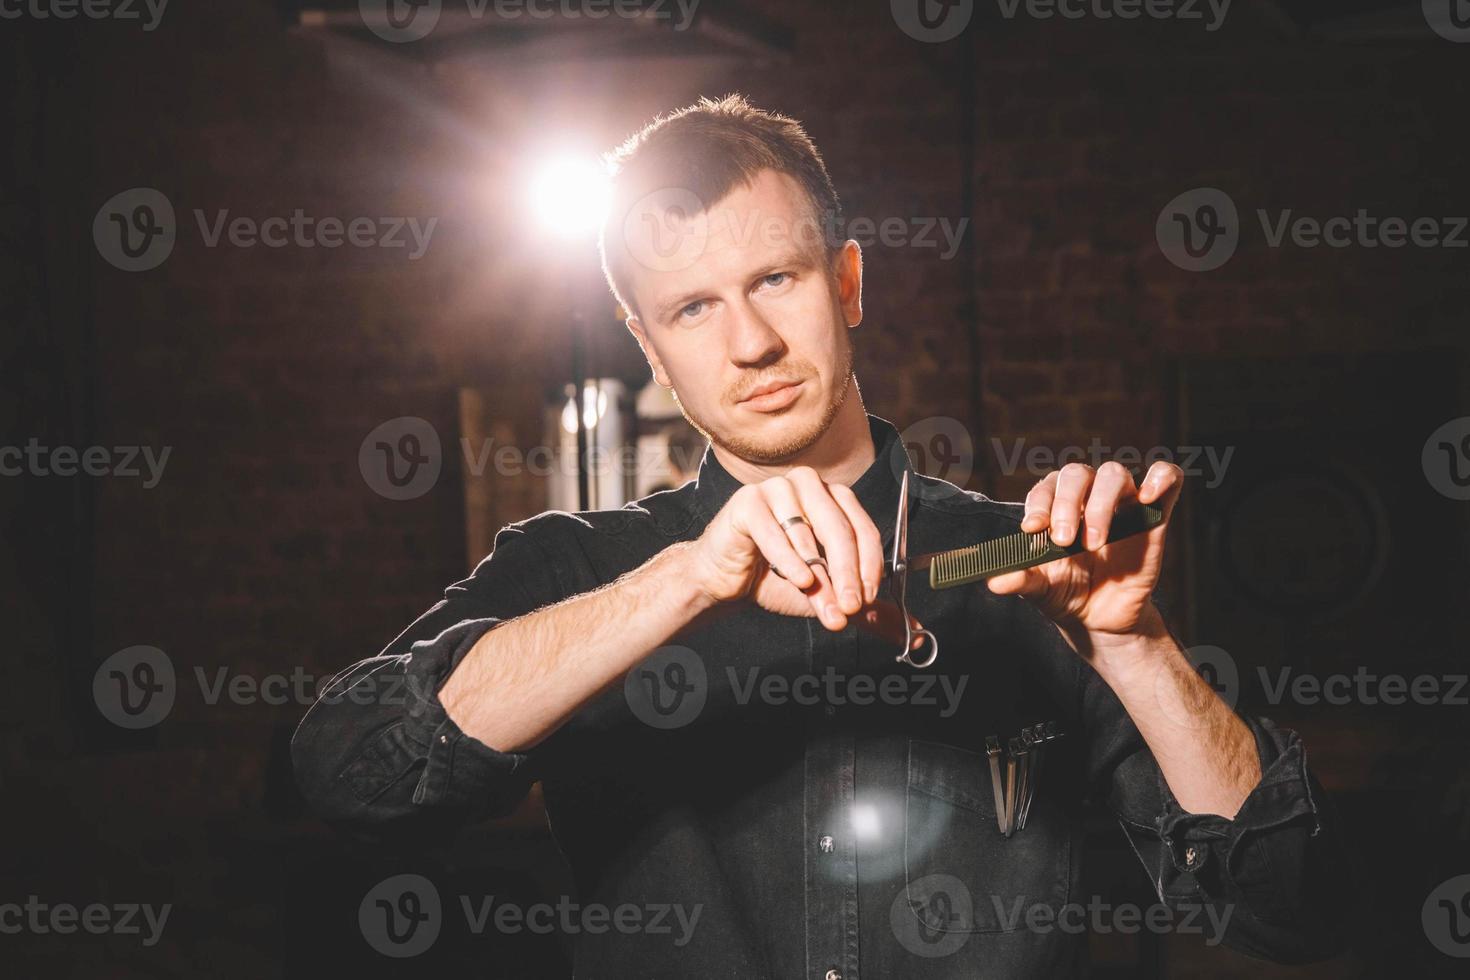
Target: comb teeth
(1020,550)
(988,558)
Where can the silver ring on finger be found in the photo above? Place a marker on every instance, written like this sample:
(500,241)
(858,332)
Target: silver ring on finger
(792,521)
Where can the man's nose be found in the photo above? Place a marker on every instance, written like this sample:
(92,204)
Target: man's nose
(751,338)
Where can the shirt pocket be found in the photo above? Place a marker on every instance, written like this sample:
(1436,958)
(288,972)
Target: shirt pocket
(961,875)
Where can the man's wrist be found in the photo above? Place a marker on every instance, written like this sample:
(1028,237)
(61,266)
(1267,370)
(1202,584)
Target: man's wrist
(1118,657)
(675,571)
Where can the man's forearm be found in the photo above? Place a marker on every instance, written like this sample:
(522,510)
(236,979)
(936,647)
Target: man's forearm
(1207,754)
(526,677)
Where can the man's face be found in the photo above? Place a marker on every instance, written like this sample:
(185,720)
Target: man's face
(740,297)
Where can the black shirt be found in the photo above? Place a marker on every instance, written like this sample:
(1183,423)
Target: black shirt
(808,806)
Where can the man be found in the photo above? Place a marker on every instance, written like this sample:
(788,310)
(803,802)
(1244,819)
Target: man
(706,684)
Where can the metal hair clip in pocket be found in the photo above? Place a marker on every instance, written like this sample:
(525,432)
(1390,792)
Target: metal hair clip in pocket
(1015,772)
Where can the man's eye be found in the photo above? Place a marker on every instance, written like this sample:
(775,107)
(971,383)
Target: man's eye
(775,279)
(693,309)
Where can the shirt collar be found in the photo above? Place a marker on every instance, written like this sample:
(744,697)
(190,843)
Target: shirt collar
(876,489)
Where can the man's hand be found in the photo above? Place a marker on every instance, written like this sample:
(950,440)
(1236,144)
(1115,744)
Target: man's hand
(1105,591)
(747,553)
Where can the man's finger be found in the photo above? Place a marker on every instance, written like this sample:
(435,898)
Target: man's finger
(1026,582)
(1073,483)
(835,533)
(1112,485)
(1038,504)
(777,548)
(869,541)
(1162,478)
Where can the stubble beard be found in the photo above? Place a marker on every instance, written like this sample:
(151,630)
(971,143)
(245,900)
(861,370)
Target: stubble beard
(767,453)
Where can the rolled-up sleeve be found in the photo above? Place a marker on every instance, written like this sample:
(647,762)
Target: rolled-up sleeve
(377,749)
(1274,876)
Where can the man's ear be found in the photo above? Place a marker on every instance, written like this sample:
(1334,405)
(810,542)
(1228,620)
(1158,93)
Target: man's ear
(848,265)
(635,327)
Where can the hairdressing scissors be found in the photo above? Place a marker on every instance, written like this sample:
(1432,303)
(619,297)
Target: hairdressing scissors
(899,583)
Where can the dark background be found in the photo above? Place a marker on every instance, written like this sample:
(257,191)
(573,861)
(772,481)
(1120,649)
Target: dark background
(263,549)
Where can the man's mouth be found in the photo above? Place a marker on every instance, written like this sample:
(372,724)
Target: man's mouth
(773,395)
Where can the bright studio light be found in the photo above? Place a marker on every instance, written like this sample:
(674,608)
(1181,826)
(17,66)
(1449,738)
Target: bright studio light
(570,196)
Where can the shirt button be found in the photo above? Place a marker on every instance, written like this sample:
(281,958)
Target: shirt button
(833,975)
(826,844)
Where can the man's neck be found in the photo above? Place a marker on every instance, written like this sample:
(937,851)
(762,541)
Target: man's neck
(841,455)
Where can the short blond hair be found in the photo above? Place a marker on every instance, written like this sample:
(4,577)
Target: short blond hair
(709,149)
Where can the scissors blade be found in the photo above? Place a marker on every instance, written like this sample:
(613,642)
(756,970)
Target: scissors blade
(901,526)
